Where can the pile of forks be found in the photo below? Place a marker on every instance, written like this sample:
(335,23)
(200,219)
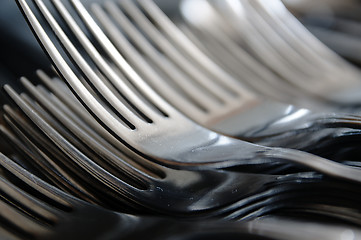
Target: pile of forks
(200,119)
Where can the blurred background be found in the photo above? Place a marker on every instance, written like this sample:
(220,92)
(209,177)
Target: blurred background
(336,23)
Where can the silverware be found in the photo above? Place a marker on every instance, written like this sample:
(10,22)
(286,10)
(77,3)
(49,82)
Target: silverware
(268,33)
(114,183)
(33,209)
(65,142)
(161,190)
(242,115)
(147,123)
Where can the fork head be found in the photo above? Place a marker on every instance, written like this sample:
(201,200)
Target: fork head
(220,193)
(161,138)
(232,118)
(34,209)
(42,211)
(225,187)
(261,28)
(144,189)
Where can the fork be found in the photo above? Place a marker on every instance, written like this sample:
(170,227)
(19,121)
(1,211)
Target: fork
(321,144)
(45,212)
(247,207)
(277,40)
(177,188)
(225,118)
(154,128)
(286,195)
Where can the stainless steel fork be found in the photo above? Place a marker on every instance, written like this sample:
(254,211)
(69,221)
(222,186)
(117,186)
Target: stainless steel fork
(34,209)
(272,193)
(149,124)
(241,115)
(217,192)
(269,34)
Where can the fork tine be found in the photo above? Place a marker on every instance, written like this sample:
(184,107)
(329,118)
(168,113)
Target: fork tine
(219,91)
(308,50)
(78,158)
(46,190)
(19,223)
(116,57)
(170,94)
(125,169)
(334,69)
(21,144)
(241,68)
(70,102)
(64,179)
(106,118)
(75,110)
(58,126)
(243,65)
(182,82)
(299,34)
(85,188)
(25,203)
(62,109)
(107,45)
(314,82)
(88,71)
(294,201)
(51,172)
(29,216)
(101,63)
(308,68)
(21,123)
(260,47)
(181,40)
(81,210)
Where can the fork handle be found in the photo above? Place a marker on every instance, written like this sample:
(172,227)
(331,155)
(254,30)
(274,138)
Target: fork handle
(220,151)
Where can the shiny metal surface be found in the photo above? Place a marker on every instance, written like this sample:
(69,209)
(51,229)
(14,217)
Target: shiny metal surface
(267,33)
(57,215)
(242,115)
(97,146)
(167,137)
(60,216)
(182,192)
(195,194)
